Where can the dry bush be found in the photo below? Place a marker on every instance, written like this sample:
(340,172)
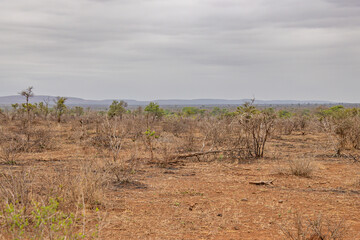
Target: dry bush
(225,135)
(188,142)
(354,134)
(16,188)
(111,138)
(54,208)
(318,229)
(188,138)
(285,125)
(256,130)
(4,117)
(303,123)
(342,126)
(84,185)
(123,171)
(9,152)
(25,139)
(214,134)
(175,125)
(302,167)
(167,144)
(82,127)
(11,145)
(41,140)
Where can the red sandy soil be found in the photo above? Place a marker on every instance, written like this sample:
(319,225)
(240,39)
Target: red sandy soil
(212,199)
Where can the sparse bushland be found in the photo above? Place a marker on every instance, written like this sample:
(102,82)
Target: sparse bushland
(342,126)
(70,173)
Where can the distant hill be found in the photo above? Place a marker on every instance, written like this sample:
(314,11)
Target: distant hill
(72,101)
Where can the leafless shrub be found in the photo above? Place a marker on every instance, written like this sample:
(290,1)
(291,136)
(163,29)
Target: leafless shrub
(214,134)
(286,125)
(16,188)
(122,171)
(303,123)
(257,128)
(167,145)
(188,137)
(9,152)
(11,145)
(188,142)
(42,139)
(175,125)
(111,137)
(318,229)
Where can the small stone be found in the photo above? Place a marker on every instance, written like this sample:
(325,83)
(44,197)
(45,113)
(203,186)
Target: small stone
(219,215)
(244,200)
(281,201)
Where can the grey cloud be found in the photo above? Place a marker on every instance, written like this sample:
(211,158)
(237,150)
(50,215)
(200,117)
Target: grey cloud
(134,48)
(347,3)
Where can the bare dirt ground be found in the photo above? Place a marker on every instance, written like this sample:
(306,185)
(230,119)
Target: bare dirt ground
(213,199)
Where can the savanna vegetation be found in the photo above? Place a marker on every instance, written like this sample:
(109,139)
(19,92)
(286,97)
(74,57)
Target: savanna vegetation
(193,173)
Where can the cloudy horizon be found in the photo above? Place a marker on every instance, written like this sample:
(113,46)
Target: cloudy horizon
(188,49)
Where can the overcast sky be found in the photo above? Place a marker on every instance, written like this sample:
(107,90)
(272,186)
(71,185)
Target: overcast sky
(161,49)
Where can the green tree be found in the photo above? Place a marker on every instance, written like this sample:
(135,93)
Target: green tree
(154,110)
(44,108)
(285,114)
(117,108)
(217,111)
(60,107)
(15,106)
(188,111)
(78,111)
(27,93)
(248,109)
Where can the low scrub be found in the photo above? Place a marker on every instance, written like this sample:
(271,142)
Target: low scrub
(301,167)
(318,229)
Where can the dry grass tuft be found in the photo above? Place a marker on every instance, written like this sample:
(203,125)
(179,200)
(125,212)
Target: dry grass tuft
(318,229)
(302,167)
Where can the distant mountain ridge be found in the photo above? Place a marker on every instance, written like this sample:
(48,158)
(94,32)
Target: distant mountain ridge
(72,101)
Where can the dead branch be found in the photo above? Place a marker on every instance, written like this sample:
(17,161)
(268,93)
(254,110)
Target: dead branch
(197,154)
(262,182)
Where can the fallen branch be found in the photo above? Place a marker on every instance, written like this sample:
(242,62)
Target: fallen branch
(262,182)
(197,154)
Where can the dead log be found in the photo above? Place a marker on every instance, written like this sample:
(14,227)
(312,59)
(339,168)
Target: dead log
(198,154)
(262,182)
